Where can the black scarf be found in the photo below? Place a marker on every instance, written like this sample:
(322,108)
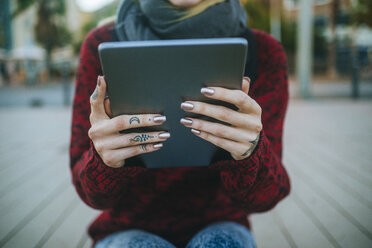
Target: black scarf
(158,19)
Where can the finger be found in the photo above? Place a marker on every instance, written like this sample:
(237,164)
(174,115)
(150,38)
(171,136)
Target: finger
(124,122)
(116,158)
(237,97)
(132,139)
(97,98)
(246,83)
(228,145)
(217,112)
(107,107)
(217,129)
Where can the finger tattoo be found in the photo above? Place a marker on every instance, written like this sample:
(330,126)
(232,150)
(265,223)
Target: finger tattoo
(143,147)
(141,138)
(254,143)
(133,119)
(95,94)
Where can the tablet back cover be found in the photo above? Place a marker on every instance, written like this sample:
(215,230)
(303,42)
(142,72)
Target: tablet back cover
(157,76)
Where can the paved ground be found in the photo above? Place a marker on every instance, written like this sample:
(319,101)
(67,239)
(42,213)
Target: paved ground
(327,153)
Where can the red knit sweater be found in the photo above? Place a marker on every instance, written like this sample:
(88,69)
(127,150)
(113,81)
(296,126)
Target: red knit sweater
(175,203)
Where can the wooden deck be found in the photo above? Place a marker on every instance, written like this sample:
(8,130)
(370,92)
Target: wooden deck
(328,153)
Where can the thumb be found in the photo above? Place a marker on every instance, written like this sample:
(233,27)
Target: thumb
(246,84)
(108,107)
(97,99)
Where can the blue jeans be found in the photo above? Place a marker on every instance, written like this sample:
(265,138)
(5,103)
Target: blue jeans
(221,235)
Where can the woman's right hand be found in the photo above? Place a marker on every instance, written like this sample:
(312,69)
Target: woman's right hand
(112,146)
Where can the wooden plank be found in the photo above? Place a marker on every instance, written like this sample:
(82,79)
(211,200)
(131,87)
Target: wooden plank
(87,244)
(38,184)
(284,229)
(357,212)
(75,227)
(334,154)
(319,166)
(12,178)
(23,128)
(32,232)
(336,130)
(312,237)
(335,221)
(317,222)
(16,219)
(266,231)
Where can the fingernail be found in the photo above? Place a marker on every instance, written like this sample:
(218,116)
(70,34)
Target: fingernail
(159,145)
(207,91)
(187,106)
(195,131)
(99,81)
(160,119)
(164,135)
(248,79)
(186,122)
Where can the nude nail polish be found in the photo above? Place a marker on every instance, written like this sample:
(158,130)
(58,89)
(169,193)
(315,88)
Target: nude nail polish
(248,79)
(159,145)
(207,91)
(160,119)
(186,122)
(195,131)
(187,106)
(164,135)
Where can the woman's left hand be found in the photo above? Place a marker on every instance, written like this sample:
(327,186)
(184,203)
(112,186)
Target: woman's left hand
(241,138)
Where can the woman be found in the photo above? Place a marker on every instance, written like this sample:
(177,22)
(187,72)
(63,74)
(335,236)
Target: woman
(194,207)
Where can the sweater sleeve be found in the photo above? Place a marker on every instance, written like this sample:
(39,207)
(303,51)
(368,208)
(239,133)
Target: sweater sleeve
(98,185)
(260,181)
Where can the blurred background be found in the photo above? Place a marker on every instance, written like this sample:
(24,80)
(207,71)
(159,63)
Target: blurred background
(40,43)
(327,143)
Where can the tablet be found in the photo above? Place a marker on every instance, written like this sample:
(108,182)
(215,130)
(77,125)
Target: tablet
(149,77)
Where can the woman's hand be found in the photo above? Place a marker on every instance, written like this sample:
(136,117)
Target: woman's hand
(241,138)
(112,146)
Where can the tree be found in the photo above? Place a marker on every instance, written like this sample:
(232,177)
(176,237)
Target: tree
(50,29)
(362,12)
(258,12)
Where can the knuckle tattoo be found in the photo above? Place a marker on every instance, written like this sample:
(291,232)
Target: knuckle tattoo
(143,148)
(93,97)
(253,144)
(141,138)
(134,119)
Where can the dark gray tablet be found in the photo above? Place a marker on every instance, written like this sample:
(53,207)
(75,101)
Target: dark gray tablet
(145,77)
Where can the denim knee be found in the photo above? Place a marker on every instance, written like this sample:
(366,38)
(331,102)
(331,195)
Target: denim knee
(223,235)
(133,239)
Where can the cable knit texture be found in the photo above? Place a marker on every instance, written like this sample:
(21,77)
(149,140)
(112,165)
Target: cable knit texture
(175,203)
